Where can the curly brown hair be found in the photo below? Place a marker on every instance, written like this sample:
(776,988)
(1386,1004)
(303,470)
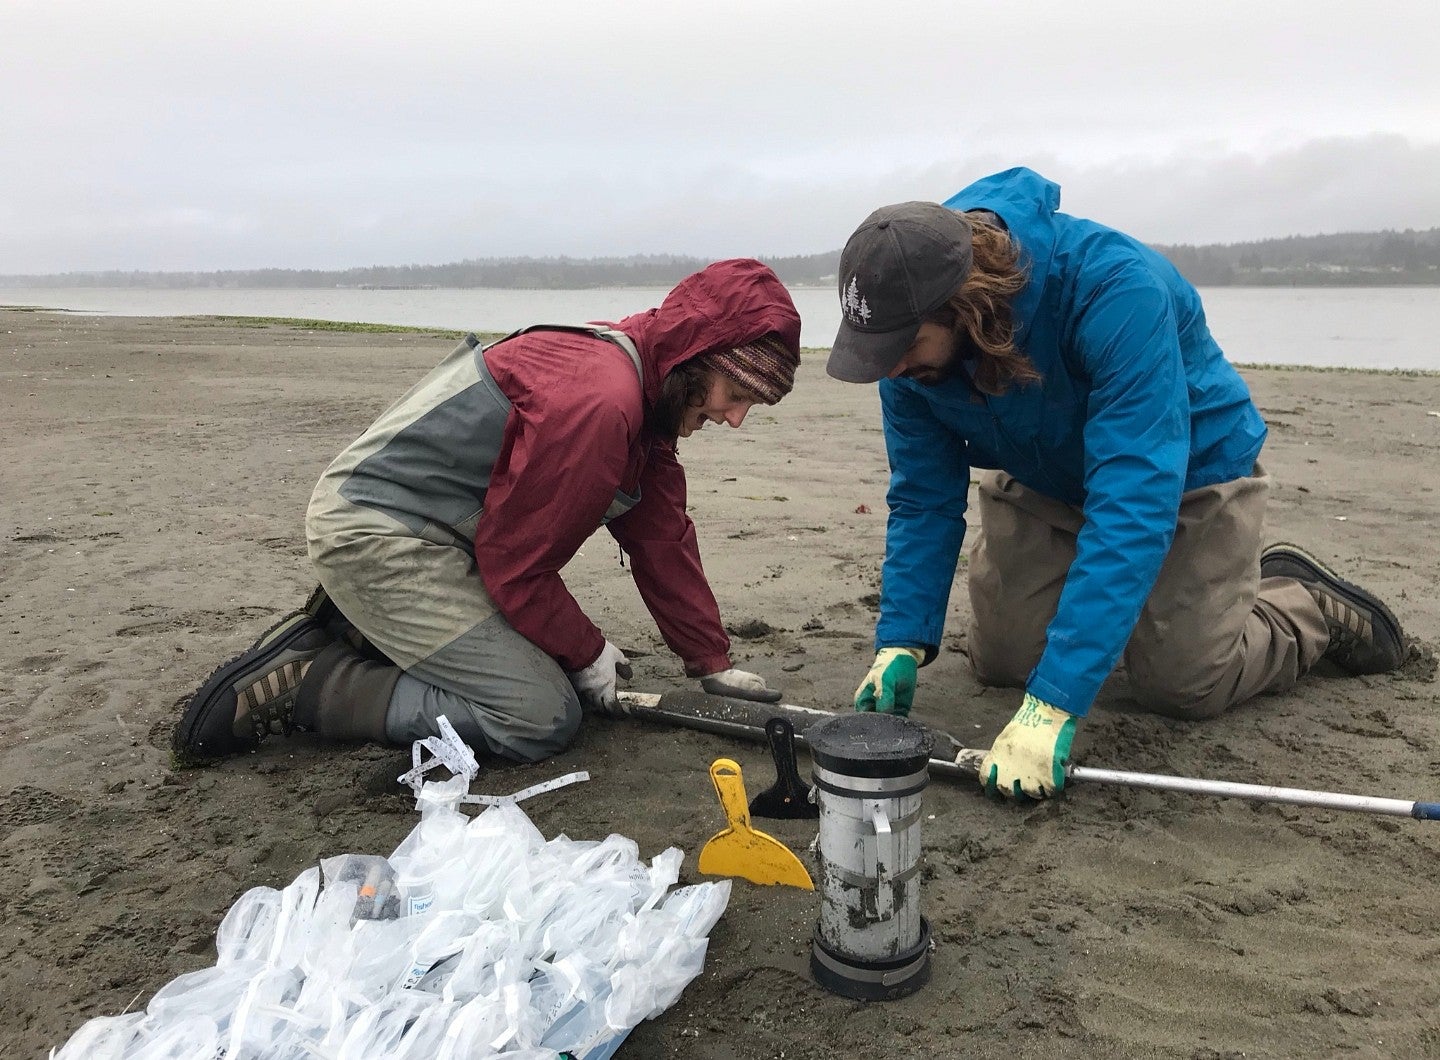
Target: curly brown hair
(980,312)
(684,388)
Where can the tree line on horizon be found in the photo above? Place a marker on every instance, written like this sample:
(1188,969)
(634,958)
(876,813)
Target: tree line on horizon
(1387,258)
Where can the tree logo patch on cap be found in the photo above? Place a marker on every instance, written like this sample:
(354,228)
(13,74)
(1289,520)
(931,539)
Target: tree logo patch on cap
(856,309)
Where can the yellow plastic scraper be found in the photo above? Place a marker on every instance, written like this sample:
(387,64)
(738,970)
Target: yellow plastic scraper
(740,850)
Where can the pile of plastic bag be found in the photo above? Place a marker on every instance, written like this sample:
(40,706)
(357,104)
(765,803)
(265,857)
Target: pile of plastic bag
(475,938)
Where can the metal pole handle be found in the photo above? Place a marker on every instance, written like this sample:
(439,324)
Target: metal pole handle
(967,763)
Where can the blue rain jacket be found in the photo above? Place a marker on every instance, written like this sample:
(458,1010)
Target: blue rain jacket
(1137,405)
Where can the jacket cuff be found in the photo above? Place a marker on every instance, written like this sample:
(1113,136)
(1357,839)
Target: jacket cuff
(1056,696)
(572,664)
(929,651)
(704,667)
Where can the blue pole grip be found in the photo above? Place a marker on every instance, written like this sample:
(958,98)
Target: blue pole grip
(1426,811)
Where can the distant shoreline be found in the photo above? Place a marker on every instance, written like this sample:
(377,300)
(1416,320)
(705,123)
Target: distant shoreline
(6,284)
(1385,258)
(360,327)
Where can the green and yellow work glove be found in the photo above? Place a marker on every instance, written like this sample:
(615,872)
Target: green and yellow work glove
(889,687)
(1030,754)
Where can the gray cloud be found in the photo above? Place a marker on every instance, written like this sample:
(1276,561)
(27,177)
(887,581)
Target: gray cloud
(203,135)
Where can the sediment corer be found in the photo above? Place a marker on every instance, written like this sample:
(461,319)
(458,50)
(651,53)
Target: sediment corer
(870,771)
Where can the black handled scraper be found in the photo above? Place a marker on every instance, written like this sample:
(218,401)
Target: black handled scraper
(789,796)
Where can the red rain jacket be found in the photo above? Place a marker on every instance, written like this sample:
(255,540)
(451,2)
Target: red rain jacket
(576,435)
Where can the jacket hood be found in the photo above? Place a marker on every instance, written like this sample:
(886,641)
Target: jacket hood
(1027,203)
(1016,194)
(726,304)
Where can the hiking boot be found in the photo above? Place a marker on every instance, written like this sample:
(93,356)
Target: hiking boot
(1365,638)
(253,695)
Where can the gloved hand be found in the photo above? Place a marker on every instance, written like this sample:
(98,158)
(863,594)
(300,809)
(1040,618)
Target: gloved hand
(1030,754)
(595,685)
(740,684)
(889,687)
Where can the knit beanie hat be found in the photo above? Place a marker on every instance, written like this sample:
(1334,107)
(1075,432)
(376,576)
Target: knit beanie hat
(764,366)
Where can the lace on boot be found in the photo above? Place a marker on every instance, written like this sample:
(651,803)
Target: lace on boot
(270,701)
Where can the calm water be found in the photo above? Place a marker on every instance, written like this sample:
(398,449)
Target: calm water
(1366,328)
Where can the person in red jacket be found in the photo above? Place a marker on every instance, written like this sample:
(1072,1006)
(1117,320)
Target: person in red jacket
(439,534)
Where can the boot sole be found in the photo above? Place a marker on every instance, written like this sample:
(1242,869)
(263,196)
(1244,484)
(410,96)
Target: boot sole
(271,644)
(1332,581)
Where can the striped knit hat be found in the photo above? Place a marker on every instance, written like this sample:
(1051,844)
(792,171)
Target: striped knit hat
(765,366)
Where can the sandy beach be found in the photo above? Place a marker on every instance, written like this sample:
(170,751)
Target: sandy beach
(156,476)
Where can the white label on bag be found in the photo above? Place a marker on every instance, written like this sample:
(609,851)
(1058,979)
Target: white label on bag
(418,903)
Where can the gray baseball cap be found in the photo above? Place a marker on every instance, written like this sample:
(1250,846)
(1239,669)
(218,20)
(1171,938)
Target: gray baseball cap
(903,261)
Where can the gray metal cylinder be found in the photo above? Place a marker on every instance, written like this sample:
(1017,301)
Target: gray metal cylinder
(869,773)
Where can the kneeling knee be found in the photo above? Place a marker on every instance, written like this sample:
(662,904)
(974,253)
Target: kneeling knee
(548,735)
(545,727)
(568,719)
(1162,694)
(997,673)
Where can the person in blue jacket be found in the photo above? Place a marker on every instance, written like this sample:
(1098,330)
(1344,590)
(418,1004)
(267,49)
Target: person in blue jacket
(1123,512)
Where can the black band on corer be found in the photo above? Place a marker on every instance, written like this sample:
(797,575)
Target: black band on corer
(848,786)
(881,980)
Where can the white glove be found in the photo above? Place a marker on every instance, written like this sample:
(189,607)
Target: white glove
(595,685)
(740,684)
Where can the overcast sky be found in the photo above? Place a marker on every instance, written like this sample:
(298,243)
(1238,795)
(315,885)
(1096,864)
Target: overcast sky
(209,134)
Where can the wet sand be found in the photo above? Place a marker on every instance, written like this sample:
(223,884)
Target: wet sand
(156,476)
